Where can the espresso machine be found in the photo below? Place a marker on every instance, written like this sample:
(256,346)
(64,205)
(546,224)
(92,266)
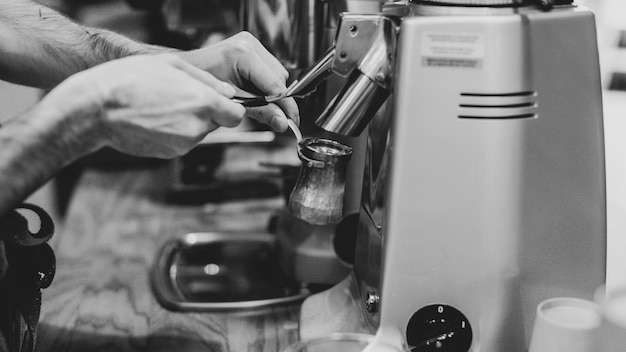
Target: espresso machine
(483,185)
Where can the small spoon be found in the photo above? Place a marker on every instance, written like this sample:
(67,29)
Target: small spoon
(295,129)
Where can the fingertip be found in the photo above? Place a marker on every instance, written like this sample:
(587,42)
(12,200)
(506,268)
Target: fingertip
(279,85)
(225,112)
(241,110)
(290,108)
(279,123)
(238,113)
(229,90)
(285,73)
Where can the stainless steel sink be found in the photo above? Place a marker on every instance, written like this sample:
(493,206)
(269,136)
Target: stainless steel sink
(213,271)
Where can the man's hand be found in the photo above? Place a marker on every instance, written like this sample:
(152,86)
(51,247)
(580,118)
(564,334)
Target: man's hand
(243,61)
(41,48)
(155,106)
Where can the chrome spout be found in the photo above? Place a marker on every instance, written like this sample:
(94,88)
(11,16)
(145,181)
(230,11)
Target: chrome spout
(364,52)
(351,110)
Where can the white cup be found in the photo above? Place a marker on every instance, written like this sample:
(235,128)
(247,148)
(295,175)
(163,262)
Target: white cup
(566,324)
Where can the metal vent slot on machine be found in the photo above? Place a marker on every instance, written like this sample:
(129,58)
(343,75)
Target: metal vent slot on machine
(516,105)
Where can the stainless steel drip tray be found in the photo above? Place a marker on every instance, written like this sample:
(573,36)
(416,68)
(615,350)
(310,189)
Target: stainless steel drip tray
(213,271)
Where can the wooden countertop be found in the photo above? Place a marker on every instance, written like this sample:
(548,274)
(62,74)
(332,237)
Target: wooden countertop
(101,298)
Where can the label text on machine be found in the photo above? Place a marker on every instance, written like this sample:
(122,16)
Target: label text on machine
(444,49)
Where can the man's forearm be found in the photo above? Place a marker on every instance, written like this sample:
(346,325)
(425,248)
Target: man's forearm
(37,144)
(40,47)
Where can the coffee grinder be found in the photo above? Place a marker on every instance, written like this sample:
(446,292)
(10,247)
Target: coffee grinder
(484,182)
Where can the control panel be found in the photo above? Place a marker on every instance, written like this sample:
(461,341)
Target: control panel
(439,327)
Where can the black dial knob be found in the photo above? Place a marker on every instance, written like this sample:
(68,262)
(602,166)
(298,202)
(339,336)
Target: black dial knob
(439,328)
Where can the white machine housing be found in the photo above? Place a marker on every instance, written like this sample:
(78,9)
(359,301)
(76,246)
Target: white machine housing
(484,183)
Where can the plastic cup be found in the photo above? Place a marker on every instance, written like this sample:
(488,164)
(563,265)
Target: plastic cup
(565,324)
